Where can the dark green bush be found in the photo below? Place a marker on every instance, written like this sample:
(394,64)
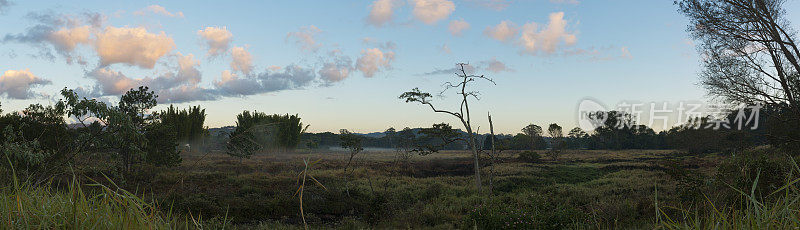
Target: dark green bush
(771,166)
(530,157)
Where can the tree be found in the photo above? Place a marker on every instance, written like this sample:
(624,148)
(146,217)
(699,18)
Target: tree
(534,132)
(406,140)
(352,142)
(750,52)
(435,138)
(577,138)
(257,130)
(556,140)
(188,123)
(134,105)
(136,102)
(463,114)
(390,136)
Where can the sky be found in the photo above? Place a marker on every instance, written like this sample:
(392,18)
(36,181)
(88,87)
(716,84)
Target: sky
(343,64)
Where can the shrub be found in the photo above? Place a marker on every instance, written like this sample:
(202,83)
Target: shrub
(529,156)
(770,165)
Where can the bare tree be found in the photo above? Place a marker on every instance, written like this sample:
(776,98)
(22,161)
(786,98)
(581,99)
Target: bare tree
(749,51)
(463,114)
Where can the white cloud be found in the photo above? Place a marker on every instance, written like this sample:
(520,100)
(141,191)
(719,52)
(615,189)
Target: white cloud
(159,10)
(4,4)
(381,12)
(445,49)
(63,32)
(373,61)
(66,39)
(217,39)
(336,70)
(179,84)
(432,11)
(502,32)
(457,27)
(17,84)
(495,66)
(114,82)
(293,77)
(305,38)
(548,39)
(242,60)
(132,46)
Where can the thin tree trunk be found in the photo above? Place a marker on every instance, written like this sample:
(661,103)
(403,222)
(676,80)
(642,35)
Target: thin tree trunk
(493,161)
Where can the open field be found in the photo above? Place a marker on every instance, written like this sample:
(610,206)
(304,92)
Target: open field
(586,189)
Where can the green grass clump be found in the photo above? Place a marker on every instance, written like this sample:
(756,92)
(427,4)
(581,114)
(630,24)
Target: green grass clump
(23,206)
(777,210)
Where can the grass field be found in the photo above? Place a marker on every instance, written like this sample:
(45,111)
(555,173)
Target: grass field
(582,189)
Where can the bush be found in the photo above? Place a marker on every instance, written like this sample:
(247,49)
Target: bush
(771,166)
(530,157)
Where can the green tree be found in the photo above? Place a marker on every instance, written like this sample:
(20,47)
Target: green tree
(556,140)
(351,142)
(534,132)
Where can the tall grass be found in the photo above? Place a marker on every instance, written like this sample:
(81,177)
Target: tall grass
(23,206)
(779,210)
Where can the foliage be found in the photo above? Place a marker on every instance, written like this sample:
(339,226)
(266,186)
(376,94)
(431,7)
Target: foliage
(351,142)
(529,157)
(436,138)
(257,130)
(162,143)
(187,123)
(754,207)
(534,132)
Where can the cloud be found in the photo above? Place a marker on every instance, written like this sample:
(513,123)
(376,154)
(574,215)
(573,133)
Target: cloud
(432,11)
(495,66)
(242,60)
(17,84)
(305,38)
(573,2)
(132,46)
(445,49)
(179,84)
(61,32)
(457,27)
(548,39)
(4,4)
(293,77)
(158,10)
(373,61)
(112,82)
(66,39)
(502,32)
(497,5)
(456,69)
(381,12)
(337,69)
(217,39)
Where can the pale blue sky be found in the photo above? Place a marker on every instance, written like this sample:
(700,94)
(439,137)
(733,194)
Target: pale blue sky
(624,50)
